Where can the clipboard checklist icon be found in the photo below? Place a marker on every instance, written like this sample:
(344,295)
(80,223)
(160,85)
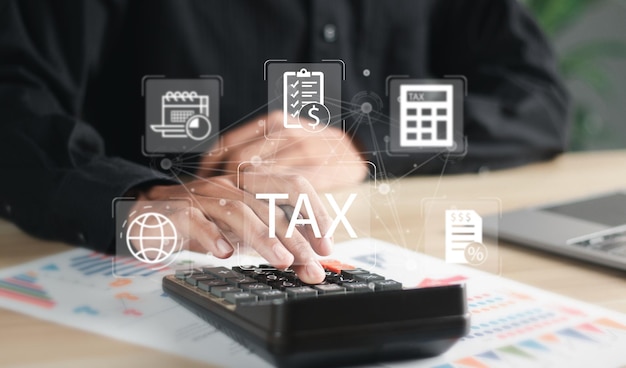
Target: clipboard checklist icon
(300,88)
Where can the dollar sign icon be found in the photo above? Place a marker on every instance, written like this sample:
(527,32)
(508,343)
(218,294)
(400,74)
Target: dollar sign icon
(314,117)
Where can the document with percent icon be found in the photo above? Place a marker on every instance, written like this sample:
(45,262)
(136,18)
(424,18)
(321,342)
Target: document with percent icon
(464,237)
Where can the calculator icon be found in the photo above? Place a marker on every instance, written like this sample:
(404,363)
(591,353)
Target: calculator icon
(426,115)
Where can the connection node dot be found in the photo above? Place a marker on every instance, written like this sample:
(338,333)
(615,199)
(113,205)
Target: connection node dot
(366,107)
(256,160)
(166,164)
(384,189)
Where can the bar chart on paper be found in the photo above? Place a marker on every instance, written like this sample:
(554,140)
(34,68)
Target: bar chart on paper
(23,287)
(99,264)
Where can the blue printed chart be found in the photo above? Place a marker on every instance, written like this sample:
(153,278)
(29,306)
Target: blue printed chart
(100,264)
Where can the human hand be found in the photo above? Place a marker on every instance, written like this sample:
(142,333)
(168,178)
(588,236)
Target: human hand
(321,157)
(222,213)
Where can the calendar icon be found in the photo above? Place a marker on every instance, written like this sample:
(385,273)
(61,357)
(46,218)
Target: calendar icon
(426,115)
(182,115)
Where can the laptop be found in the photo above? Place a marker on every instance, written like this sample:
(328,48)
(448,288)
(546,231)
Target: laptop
(592,229)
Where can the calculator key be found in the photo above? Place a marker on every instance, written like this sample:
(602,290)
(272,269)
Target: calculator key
(330,289)
(282,285)
(326,263)
(221,273)
(288,272)
(219,291)
(384,285)
(333,277)
(358,287)
(206,285)
(270,294)
(264,272)
(278,278)
(329,262)
(292,278)
(240,281)
(335,266)
(301,292)
(182,274)
(244,269)
(311,285)
(254,287)
(193,279)
(240,297)
(260,275)
(368,277)
(349,274)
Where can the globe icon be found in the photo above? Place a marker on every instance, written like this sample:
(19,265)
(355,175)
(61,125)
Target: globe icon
(151,238)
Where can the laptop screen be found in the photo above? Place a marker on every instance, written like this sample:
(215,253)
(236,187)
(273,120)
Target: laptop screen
(608,210)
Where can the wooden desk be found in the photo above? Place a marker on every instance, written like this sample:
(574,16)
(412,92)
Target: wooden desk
(27,341)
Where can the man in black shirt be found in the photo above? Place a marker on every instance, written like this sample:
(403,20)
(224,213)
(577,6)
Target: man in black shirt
(71,110)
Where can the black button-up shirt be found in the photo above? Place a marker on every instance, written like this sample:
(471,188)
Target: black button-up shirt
(72,115)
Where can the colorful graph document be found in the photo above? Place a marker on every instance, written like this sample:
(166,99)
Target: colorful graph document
(513,325)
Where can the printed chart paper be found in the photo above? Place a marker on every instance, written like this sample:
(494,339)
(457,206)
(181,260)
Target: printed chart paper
(513,325)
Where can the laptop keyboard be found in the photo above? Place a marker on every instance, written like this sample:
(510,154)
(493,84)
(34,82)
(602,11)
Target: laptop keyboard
(613,243)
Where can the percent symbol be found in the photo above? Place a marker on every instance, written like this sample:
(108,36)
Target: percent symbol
(476,253)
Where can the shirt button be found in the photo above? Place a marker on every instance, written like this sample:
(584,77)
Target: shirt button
(330,33)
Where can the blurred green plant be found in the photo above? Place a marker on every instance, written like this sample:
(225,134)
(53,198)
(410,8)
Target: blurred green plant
(583,63)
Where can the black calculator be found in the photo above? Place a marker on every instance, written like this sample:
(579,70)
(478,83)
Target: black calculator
(354,316)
